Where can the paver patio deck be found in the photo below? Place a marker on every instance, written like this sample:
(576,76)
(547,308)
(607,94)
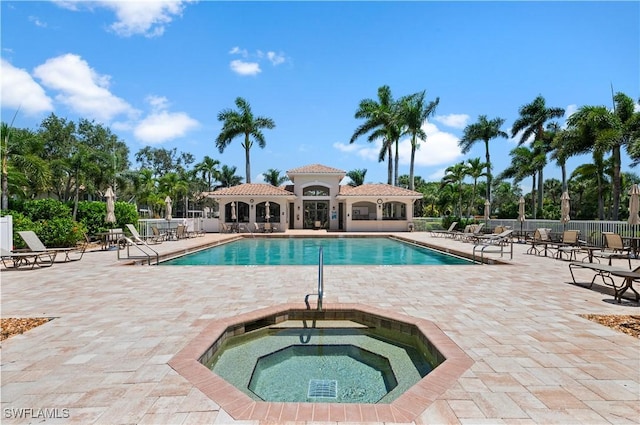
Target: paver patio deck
(103,360)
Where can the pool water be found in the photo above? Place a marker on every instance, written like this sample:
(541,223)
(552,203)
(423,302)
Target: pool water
(304,251)
(350,365)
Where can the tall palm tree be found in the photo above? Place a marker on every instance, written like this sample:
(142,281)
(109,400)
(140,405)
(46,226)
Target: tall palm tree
(242,123)
(414,111)
(475,170)
(208,169)
(525,162)
(484,130)
(273,177)
(454,176)
(532,120)
(381,121)
(228,177)
(357,177)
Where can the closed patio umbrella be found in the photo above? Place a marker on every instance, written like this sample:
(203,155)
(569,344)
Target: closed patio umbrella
(233,211)
(267,211)
(634,205)
(565,208)
(521,215)
(111,208)
(167,204)
(487,210)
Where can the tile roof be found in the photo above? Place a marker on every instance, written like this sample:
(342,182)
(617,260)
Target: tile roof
(316,169)
(377,190)
(250,189)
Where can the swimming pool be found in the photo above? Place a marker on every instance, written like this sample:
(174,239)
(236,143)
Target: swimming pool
(304,251)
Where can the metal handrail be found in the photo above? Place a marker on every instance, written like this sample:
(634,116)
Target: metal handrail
(320,293)
(129,243)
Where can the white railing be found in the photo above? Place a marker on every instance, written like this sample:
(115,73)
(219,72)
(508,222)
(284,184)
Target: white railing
(590,230)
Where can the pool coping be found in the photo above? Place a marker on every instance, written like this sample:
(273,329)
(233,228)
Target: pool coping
(406,408)
(184,251)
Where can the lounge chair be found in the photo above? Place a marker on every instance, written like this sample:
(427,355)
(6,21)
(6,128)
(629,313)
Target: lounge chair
(493,243)
(606,272)
(136,238)
(540,242)
(470,232)
(570,245)
(442,232)
(17,259)
(35,245)
(614,247)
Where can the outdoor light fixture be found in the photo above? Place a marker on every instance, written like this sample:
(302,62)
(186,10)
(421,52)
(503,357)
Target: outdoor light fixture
(379,201)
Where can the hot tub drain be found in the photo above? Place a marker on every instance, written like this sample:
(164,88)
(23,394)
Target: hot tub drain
(325,388)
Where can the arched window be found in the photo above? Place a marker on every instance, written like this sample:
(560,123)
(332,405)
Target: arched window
(394,211)
(315,191)
(363,211)
(274,212)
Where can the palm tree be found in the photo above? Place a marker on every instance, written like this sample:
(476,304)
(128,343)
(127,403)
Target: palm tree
(242,123)
(484,130)
(228,177)
(475,170)
(525,162)
(381,121)
(273,177)
(454,176)
(531,122)
(208,169)
(357,177)
(414,111)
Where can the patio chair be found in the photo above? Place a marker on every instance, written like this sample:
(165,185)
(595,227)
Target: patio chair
(613,248)
(540,242)
(136,238)
(569,245)
(493,244)
(17,259)
(471,232)
(258,229)
(442,232)
(606,272)
(35,245)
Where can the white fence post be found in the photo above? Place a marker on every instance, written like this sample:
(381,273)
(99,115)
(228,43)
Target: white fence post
(6,232)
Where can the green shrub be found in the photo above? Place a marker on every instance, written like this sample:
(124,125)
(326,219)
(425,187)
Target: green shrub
(92,215)
(45,209)
(60,232)
(125,213)
(20,222)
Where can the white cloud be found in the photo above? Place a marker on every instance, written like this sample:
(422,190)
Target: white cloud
(81,88)
(161,125)
(19,90)
(252,66)
(147,17)
(37,22)
(238,51)
(439,148)
(453,120)
(245,68)
(275,58)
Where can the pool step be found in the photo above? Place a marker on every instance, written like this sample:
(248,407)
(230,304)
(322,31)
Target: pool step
(318,324)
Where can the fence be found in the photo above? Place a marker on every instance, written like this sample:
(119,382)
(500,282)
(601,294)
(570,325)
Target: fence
(590,230)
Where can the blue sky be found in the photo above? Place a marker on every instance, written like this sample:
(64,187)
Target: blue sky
(158,72)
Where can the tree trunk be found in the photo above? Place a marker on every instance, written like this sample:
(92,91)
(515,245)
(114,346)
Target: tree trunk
(488,161)
(396,160)
(248,164)
(615,153)
(533,197)
(540,190)
(413,156)
(390,165)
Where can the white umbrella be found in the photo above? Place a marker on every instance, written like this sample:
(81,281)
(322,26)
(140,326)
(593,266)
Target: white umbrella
(233,211)
(565,208)
(167,204)
(634,205)
(521,215)
(111,207)
(267,212)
